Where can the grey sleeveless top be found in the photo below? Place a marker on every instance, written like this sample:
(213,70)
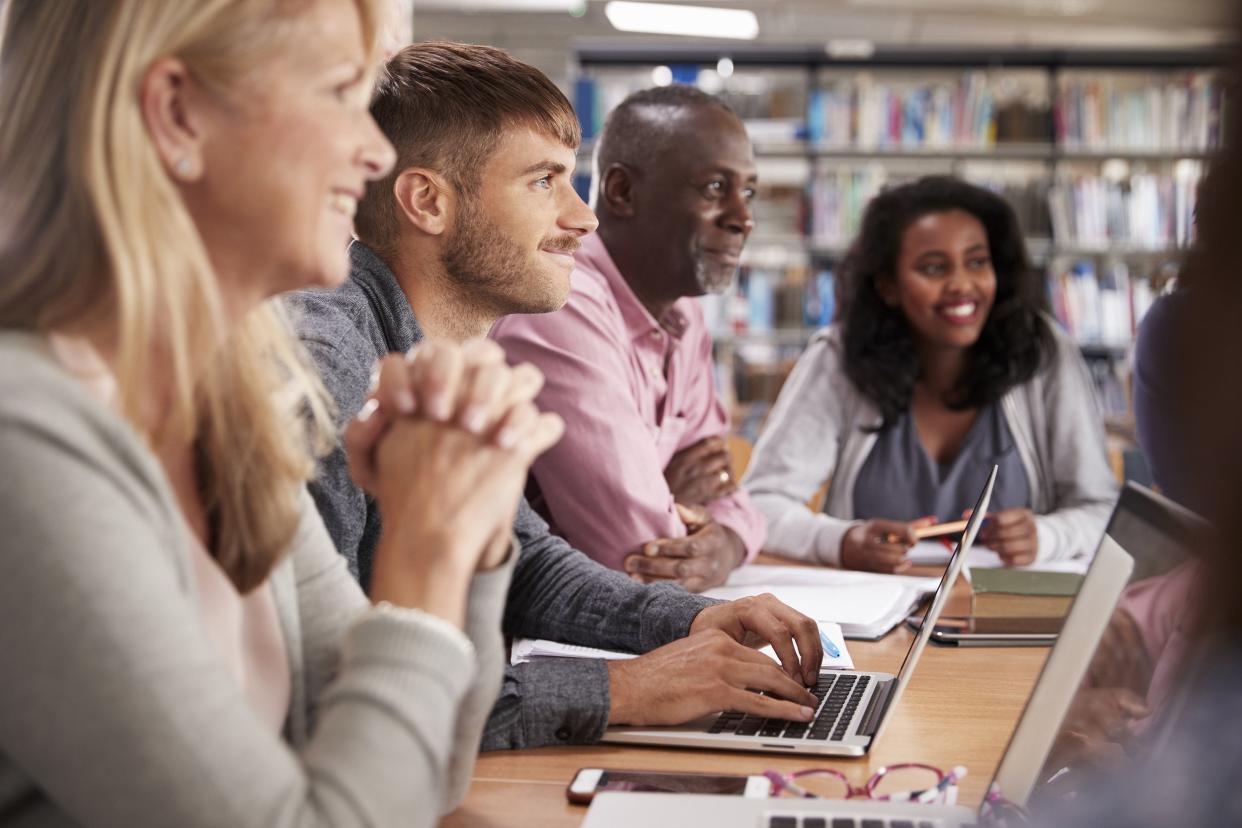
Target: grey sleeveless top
(899,480)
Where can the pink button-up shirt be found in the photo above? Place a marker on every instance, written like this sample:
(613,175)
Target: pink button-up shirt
(632,393)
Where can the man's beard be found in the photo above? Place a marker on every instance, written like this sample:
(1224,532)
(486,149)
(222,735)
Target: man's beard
(493,270)
(712,278)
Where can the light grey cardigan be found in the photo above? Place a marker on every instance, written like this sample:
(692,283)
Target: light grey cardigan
(115,709)
(816,432)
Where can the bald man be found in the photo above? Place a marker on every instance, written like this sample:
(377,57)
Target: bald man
(641,480)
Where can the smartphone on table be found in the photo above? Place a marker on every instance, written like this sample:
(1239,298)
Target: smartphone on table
(971,631)
(589,781)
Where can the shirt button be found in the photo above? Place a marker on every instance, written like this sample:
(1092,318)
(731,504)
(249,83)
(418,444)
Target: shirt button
(563,734)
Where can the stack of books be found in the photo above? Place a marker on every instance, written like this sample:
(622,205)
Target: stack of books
(1022,593)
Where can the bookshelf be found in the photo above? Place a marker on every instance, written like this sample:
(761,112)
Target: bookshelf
(1100,153)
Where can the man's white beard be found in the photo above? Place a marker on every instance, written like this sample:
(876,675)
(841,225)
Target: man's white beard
(708,282)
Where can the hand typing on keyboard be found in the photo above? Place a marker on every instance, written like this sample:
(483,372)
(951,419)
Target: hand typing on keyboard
(837,697)
(701,674)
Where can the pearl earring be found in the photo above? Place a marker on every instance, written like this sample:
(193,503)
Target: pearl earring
(183,167)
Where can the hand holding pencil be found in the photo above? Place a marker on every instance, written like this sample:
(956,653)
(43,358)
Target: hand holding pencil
(880,545)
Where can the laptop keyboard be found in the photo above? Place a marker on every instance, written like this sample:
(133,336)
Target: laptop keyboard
(839,695)
(791,821)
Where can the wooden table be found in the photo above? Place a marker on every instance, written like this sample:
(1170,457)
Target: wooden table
(959,709)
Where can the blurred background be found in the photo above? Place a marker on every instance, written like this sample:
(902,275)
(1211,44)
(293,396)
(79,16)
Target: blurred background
(1094,118)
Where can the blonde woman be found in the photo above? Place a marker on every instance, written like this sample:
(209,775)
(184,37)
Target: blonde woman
(179,641)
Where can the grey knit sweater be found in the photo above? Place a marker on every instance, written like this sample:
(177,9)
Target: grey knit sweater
(114,708)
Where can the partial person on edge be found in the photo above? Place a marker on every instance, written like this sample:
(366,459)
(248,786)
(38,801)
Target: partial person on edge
(180,642)
(1191,777)
(1142,659)
(642,481)
(479,219)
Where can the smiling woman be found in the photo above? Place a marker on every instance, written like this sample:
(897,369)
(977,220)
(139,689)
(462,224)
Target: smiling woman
(171,600)
(943,364)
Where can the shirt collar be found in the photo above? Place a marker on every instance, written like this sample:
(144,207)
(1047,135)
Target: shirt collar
(639,322)
(392,308)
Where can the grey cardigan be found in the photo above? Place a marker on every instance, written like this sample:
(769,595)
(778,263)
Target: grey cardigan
(816,432)
(557,591)
(115,709)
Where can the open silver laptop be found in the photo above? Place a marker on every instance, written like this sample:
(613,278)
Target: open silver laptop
(853,705)
(1017,775)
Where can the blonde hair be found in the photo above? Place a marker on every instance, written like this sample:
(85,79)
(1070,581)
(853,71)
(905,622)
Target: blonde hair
(95,233)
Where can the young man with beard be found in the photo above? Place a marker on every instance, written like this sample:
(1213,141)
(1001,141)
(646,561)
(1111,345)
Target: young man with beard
(641,479)
(479,219)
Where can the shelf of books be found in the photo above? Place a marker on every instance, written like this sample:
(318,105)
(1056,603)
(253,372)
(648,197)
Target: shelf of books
(1099,153)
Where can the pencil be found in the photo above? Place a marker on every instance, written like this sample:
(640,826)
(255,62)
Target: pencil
(941,529)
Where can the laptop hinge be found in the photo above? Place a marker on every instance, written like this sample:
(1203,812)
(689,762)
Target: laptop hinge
(877,708)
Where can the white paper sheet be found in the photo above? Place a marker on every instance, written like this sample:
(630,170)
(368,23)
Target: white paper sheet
(934,553)
(834,633)
(524,649)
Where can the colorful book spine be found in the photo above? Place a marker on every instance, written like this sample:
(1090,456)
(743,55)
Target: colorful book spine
(865,113)
(1158,113)
(1146,210)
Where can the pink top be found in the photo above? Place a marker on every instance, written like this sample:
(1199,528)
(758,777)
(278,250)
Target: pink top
(632,393)
(1159,607)
(244,630)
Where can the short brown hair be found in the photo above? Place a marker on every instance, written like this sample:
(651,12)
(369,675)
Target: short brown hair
(444,106)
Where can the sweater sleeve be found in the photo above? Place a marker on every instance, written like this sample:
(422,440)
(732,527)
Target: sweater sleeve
(559,593)
(329,600)
(114,704)
(797,452)
(1083,485)
(344,362)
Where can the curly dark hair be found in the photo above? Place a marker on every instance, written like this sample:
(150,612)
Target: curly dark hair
(880,355)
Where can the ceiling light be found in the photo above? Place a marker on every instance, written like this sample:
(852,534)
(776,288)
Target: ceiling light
(691,21)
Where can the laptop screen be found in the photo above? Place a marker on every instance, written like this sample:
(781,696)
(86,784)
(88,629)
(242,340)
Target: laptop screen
(1089,699)
(951,571)
(1157,532)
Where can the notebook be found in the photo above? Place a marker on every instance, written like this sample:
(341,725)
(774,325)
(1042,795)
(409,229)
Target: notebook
(1022,593)
(866,605)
